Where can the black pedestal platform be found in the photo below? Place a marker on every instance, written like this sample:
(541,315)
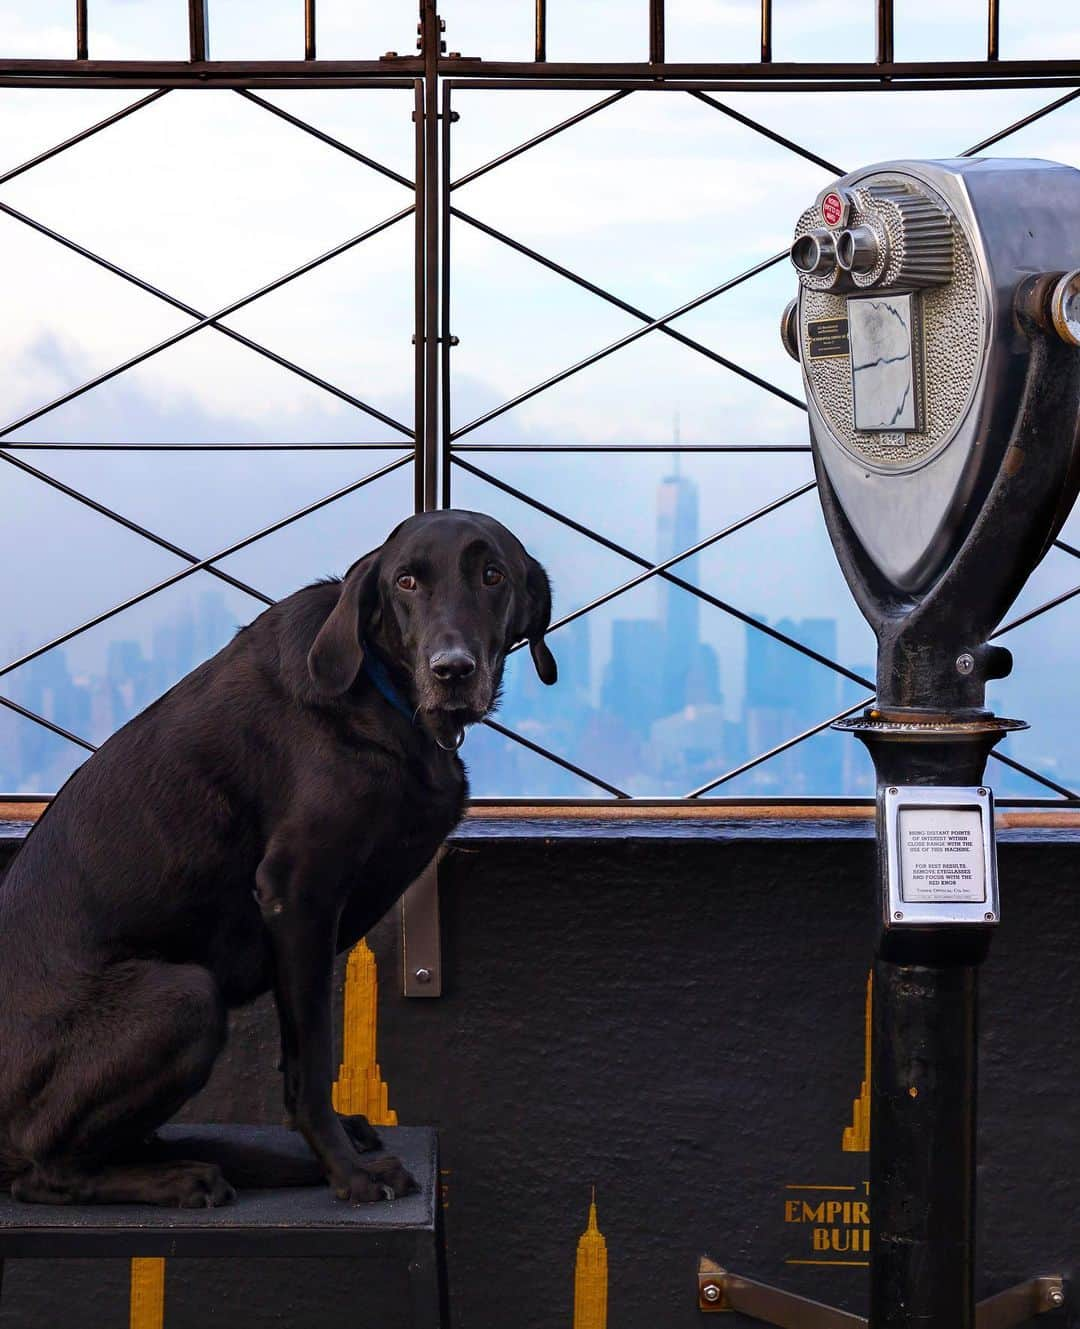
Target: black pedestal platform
(299,1222)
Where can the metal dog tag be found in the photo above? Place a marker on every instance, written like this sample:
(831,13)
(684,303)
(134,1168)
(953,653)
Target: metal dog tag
(941,859)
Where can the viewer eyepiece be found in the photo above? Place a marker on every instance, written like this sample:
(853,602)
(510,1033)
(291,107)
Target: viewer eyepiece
(857,249)
(814,253)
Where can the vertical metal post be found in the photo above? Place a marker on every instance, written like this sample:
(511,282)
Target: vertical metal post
(923,1081)
(444,322)
(884,32)
(430,43)
(766,31)
(82,40)
(309,29)
(541,31)
(922,1155)
(656,32)
(993,29)
(419,301)
(198,29)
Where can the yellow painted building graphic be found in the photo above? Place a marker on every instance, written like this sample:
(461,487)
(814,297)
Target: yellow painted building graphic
(147,1294)
(359,1086)
(591,1276)
(828,1219)
(857,1135)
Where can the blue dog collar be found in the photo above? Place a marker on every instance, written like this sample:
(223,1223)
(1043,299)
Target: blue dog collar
(376,671)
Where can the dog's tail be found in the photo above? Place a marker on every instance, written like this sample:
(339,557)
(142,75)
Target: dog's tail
(263,1159)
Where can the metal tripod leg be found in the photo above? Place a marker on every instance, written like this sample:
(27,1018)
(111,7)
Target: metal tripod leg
(1020,1303)
(721,1290)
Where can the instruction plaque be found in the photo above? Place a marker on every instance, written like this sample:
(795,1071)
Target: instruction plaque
(940,855)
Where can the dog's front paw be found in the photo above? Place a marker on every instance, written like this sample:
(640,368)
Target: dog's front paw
(381,1179)
(202,1186)
(360,1132)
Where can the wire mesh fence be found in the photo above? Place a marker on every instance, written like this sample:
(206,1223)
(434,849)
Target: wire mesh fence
(546,287)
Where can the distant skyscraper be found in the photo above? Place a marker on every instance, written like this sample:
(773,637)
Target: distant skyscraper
(690,674)
(677,529)
(785,693)
(630,684)
(659,666)
(524,694)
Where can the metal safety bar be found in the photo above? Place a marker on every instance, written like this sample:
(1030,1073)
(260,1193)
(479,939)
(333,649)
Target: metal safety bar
(654,42)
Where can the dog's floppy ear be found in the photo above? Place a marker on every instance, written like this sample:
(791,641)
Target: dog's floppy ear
(336,653)
(538,619)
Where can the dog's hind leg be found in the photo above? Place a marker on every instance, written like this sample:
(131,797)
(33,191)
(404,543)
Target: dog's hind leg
(137,1042)
(183,1185)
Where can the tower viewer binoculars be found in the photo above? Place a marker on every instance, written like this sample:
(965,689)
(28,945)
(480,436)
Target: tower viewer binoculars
(936,324)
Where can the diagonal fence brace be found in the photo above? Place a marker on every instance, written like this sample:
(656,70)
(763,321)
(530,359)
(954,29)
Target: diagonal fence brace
(210,319)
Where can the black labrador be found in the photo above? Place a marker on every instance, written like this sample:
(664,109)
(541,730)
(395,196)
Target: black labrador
(257,819)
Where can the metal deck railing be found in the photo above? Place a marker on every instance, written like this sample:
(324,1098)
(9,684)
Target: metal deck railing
(433,444)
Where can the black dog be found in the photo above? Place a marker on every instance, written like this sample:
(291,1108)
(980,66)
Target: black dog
(257,819)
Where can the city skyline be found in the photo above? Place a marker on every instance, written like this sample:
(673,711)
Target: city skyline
(653,720)
(654,723)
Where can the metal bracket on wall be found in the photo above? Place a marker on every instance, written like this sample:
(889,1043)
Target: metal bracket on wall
(421,942)
(1019,1303)
(721,1290)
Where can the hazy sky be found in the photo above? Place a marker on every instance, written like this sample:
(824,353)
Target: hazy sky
(657,198)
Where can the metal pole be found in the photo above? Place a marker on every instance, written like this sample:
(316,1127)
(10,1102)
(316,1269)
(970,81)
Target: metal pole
(922,1156)
(884,32)
(923,1080)
(309,29)
(430,44)
(82,43)
(541,31)
(447,341)
(656,32)
(198,29)
(993,29)
(766,31)
(419,301)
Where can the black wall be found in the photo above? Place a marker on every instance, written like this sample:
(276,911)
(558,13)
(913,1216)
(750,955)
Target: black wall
(673,1013)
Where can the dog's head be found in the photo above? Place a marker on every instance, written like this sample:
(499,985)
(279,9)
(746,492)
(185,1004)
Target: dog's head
(443,600)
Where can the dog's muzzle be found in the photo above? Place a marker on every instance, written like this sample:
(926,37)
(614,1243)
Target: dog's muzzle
(455,689)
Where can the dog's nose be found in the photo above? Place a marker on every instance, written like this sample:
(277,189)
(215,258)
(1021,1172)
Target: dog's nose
(452,665)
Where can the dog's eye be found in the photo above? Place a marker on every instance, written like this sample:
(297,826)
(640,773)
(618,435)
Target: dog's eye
(492,575)
(407,582)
